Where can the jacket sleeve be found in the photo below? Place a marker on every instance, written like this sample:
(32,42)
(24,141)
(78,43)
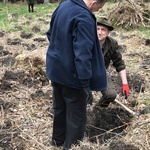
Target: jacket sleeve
(116,57)
(48,33)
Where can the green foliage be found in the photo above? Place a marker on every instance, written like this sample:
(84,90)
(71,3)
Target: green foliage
(144,31)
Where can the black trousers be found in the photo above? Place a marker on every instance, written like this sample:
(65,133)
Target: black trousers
(31,7)
(69,122)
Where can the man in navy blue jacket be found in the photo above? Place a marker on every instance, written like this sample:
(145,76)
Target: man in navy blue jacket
(75,66)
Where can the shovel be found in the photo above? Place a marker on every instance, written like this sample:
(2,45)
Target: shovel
(135,114)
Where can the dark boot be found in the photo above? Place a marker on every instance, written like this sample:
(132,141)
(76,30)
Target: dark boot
(53,143)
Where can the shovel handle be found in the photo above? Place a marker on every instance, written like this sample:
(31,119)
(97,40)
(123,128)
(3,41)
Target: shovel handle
(125,107)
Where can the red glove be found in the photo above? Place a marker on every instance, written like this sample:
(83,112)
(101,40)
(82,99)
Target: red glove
(125,90)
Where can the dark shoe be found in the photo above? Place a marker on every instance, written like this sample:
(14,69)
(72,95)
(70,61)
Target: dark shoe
(53,143)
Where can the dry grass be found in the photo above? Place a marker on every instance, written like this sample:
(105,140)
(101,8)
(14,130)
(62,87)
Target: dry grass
(130,14)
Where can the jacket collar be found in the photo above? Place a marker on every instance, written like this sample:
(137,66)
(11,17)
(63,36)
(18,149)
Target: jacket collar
(82,4)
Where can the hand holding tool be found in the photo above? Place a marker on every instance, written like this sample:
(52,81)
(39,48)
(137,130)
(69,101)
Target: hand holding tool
(125,90)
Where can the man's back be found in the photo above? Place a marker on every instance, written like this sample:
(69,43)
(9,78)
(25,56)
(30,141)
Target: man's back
(72,42)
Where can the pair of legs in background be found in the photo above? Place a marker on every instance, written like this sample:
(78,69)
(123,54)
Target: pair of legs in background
(107,96)
(31,7)
(69,106)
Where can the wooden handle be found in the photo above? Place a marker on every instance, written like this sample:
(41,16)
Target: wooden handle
(125,107)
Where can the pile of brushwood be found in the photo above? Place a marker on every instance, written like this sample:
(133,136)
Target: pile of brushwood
(130,14)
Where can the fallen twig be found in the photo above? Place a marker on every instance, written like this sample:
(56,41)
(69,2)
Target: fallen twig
(96,136)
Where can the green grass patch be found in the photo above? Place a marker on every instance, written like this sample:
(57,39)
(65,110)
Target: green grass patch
(144,31)
(13,15)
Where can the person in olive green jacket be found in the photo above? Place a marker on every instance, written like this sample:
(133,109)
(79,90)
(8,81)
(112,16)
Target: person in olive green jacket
(112,53)
(30,5)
